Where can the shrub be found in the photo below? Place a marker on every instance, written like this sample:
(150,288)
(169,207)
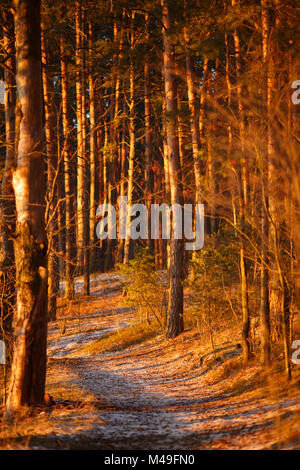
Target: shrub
(214,282)
(144,287)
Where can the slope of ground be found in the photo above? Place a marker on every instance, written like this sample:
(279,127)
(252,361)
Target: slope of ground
(153,395)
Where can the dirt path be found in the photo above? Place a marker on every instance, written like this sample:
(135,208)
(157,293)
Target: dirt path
(144,403)
(147,397)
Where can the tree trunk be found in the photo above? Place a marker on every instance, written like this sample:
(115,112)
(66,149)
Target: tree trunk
(166,167)
(7,203)
(279,298)
(27,382)
(70,254)
(264,305)
(148,132)
(127,245)
(230,136)
(85,163)
(80,158)
(122,177)
(93,153)
(243,198)
(175,305)
(51,211)
(193,122)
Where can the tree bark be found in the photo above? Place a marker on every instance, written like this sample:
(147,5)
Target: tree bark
(122,176)
(265,305)
(52,200)
(148,131)
(127,244)
(7,202)
(27,381)
(175,304)
(193,122)
(69,166)
(243,198)
(85,163)
(93,152)
(80,157)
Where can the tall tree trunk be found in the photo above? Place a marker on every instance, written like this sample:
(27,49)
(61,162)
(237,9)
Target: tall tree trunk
(114,134)
(61,208)
(7,203)
(127,245)
(165,141)
(180,126)
(118,144)
(175,305)
(193,121)
(230,137)
(69,179)
(93,152)
(108,191)
(85,163)
(242,200)
(278,287)
(122,176)
(148,179)
(165,154)
(109,194)
(27,382)
(51,211)
(264,303)
(80,157)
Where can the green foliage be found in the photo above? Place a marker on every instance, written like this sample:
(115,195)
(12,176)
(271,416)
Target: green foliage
(218,260)
(144,287)
(213,281)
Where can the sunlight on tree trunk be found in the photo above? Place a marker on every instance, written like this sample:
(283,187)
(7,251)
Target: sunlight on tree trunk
(27,382)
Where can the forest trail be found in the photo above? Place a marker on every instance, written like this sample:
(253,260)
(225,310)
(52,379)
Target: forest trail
(145,397)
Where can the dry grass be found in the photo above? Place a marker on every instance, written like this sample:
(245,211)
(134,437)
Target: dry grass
(122,338)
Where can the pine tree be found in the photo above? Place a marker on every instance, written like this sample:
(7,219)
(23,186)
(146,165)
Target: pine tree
(27,382)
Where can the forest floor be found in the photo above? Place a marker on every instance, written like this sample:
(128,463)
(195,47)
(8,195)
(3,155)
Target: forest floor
(157,394)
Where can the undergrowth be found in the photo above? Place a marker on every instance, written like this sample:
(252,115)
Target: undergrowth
(123,338)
